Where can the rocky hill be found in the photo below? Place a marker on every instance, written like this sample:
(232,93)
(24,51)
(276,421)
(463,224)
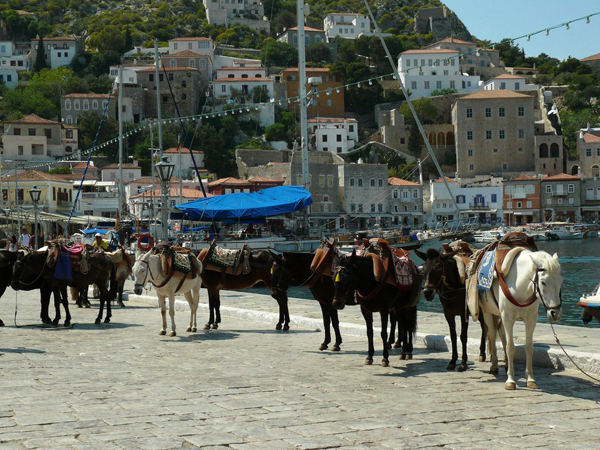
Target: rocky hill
(140,21)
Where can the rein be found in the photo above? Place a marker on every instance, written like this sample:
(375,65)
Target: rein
(377,289)
(309,282)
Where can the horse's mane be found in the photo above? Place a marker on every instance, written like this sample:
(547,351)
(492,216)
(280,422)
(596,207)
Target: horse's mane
(432,253)
(549,263)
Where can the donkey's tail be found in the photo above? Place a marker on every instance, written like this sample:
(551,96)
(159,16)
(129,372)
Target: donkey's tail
(113,282)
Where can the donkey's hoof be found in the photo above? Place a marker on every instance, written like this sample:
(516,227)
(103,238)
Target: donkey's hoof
(532,385)
(1,323)
(88,305)
(451,366)
(510,386)
(409,356)
(45,320)
(323,347)
(385,363)
(481,358)
(107,320)
(336,348)
(397,345)
(207,326)
(402,356)
(121,304)
(215,326)
(278,326)
(97,322)
(188,329)
(173,333)
(162,333)
(286,328)
(368,362)
(462,367)
(390,345)
(67,324)
(493,371)
(194,329)
(79,305)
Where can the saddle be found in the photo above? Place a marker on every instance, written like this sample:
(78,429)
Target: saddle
(506,250)
(176,261)
(232,262)
(78,254)
(390,265)
(462,255)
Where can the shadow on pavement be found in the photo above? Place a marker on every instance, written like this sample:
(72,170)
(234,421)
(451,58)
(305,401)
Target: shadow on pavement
(20,350)
(103,326)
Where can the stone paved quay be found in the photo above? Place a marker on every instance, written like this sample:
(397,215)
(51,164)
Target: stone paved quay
(247,386)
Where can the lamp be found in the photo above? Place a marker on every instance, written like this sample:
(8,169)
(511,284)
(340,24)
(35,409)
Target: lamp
(165,170)
(34,193)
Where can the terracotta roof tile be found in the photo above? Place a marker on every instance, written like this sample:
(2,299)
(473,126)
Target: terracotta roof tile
(174,193)
(184,151)
(561,177)
(35,175)
(510,76)
(524,177)
(595,57)
(452,41)
(87,95)
(490,94)
(448,179)
(223,80)
(191,39)
(426,50)
(228,180)
(33,119)
(185,54)
(242,68)
(171,69)
(593,136)
(125,166)
(395,181)
(264,180)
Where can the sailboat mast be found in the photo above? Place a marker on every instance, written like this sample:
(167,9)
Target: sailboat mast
(120,113)
(300,12)
(158,99)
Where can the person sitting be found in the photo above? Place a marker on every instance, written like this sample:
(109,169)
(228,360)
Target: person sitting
(100,243)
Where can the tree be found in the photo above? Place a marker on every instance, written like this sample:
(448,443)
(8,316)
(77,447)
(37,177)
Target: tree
(414,141)
(107,39)
(319,52)
(128,39)
(445,91)
(40,57)
(60,170)
(88,124)
(276,132)
(275,53)
(425,109)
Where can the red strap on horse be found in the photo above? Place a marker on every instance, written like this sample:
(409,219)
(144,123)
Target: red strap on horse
(377,289)
(509,296)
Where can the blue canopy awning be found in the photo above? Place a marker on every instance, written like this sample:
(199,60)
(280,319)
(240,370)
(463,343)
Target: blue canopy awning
(251,206)
(94,231)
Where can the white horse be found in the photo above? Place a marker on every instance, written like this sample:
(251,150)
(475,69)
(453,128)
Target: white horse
(533,277)
(148,269)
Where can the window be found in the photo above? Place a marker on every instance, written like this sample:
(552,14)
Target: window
(460,199)
(175,46)
(549,189)
(395,193)
(329,102)
(76,105)
(372,207)
(521,134)
(324,138)
(31,131)
(529,204)
(488,112)
(372,182)
(501,112)
(380,182)
(588,152)
(202,64)
(488,134)
(471,167)
(413,85)
(469,152)
(452,84)
(501,134)
(404,194)
(329,181)
(17,132)
(426,84)
(519,205)
(494,198)
(322,180)
(469,135)
(95,104)
(20,149)
(504,166)
(223,88)
(502,86)
(173,64)
(351,181)
(48,133)
(380,207)
(438,84)
(360,182)
(521,111)
(469,113)
(509,205)
(86,105)
(351,129)
(517,86)
(571,188)
(69,134)
(67,104)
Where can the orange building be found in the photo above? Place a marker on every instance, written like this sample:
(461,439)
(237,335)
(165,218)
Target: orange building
(522,200)
(324,105)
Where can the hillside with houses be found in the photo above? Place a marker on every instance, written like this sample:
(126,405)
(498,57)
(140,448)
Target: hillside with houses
(518,136)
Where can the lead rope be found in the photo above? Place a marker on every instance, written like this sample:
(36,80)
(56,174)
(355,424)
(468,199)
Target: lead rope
(569,356)
(16,300)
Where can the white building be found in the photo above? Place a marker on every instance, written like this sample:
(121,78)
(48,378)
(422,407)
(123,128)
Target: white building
(11,64)
(333,135)
(475,199)
(60,51)
(425,71)
(184,166)
(235,61)
(130,172)
(509,82)
(405,201)
(129,72)
(231,12)
(98,198)
(199,45)
(347,26)
(140,195)
(238,87)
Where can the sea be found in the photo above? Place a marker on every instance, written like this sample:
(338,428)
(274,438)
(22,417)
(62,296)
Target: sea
(580,268)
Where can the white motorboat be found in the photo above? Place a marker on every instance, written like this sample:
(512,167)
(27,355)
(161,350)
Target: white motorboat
(564,232)
(270,242)
(487,236)
(592,299)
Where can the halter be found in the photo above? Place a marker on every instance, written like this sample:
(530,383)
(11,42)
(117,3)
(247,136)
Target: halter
(536,288)
(309,282)
(149,271)
(442,282)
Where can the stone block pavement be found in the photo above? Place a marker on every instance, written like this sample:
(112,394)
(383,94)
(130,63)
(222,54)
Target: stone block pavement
(247,386)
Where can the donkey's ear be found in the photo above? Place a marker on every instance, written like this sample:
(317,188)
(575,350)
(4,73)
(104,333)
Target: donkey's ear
(448,255)
(555,256)
(353,255)
(420,254)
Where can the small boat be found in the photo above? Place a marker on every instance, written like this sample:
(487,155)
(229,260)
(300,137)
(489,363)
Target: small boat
(591,305)
(564,231)
(487,236)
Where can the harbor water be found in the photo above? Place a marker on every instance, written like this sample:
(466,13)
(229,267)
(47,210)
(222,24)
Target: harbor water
(580,268)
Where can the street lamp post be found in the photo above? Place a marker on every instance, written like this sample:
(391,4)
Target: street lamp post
(35,198)
(165,172)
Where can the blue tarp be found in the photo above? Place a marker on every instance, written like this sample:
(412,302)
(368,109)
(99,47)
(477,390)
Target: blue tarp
(94,231)
(248,206)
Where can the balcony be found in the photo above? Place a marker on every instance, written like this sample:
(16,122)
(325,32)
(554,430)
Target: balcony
(99,194)
(518,196)
(479,207)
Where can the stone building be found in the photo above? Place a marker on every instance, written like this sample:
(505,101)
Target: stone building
(593,61)
(330,102)
(311,36)
(436,21)
(72,105)
(588,151)
(494,132)
(187,89)
(561,198)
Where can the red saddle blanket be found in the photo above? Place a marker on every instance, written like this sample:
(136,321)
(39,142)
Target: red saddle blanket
(75,253)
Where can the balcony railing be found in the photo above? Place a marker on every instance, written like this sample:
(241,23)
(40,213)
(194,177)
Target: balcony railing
(478,206)
(99,195)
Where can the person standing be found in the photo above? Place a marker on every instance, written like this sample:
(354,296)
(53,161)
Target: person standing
(100,243)
(12,244)
(25,239)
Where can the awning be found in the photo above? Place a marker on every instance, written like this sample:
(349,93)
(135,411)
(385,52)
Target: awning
(479,211)
(590,208)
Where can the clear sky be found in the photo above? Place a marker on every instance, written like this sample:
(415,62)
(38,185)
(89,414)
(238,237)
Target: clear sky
(494,20)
